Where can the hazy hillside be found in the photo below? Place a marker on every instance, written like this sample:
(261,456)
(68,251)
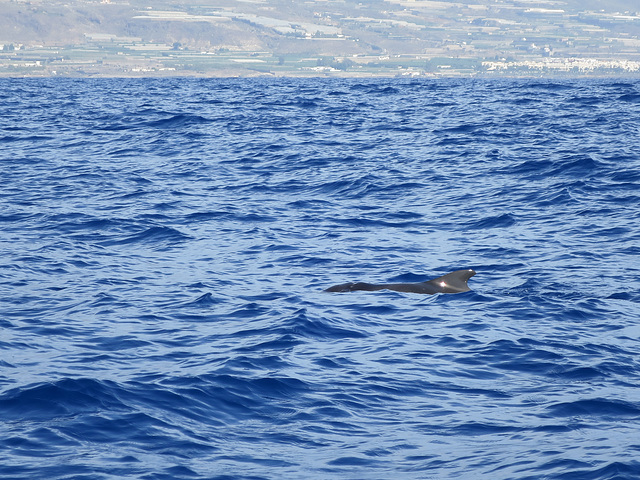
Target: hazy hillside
(467,31)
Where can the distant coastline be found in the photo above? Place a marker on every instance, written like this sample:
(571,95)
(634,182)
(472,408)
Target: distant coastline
(332,38)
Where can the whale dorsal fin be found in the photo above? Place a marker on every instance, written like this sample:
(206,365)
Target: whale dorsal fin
(454,282)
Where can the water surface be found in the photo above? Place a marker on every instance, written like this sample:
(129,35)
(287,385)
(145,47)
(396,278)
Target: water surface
(165,244)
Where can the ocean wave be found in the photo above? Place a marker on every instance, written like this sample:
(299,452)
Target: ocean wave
(165,246)
(152,235)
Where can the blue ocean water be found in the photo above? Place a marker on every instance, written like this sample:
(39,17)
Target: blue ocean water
(165,244)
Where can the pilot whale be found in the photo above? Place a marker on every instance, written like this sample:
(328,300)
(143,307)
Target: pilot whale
(454,282)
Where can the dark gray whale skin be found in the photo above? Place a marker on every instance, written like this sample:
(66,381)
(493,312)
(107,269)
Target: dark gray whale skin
(454,282)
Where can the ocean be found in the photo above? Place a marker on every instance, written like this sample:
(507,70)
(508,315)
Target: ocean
(165,245)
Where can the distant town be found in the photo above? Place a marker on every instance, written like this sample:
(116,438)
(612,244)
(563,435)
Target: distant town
(229,38)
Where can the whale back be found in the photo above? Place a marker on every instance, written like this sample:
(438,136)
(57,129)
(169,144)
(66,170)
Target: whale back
(352,287)
(454,282)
